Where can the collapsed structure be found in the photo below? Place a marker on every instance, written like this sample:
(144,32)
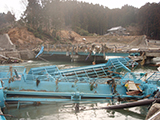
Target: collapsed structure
(6,43)
(118,31)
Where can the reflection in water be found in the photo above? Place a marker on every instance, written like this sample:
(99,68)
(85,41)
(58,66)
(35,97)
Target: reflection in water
(74,111)
(133,114)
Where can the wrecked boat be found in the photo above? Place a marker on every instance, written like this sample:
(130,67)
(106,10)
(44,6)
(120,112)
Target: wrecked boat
(86,83)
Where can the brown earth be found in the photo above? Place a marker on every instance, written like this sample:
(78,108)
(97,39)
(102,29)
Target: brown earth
(23,39)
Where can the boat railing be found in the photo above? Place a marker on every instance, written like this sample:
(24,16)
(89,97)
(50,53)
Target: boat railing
(119,63)
(43,70)
(100,72)
(77,79)
(31,77)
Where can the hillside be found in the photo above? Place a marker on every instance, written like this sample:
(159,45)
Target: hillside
(23,39)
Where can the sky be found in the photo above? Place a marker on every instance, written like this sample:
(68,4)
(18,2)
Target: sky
(17,6)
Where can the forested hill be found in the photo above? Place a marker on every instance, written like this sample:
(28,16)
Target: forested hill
(82,17)
(49,16)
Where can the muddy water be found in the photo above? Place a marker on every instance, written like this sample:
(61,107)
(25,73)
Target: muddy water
(74,111)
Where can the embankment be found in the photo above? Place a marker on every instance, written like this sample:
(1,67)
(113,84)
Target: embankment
(23,54)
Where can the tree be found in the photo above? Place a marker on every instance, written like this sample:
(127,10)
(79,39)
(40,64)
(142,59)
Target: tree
(149,20)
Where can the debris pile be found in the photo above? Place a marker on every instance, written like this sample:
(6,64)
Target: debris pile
(69,36)
(6,60)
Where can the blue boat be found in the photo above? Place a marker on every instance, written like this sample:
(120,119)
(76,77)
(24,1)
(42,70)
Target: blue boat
(87,83)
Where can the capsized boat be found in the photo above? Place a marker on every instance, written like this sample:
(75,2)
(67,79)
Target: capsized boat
(86,83)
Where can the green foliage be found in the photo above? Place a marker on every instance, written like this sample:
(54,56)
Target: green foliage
(82,32)
(35,32)
(30,29)
(39,33)
(58,38)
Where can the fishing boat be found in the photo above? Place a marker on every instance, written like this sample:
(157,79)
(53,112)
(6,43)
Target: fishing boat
(87,83)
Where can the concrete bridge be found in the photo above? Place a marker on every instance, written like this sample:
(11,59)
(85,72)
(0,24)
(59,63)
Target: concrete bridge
(98,52)
(82,52)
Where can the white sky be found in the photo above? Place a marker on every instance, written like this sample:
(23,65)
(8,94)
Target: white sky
(17,7)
